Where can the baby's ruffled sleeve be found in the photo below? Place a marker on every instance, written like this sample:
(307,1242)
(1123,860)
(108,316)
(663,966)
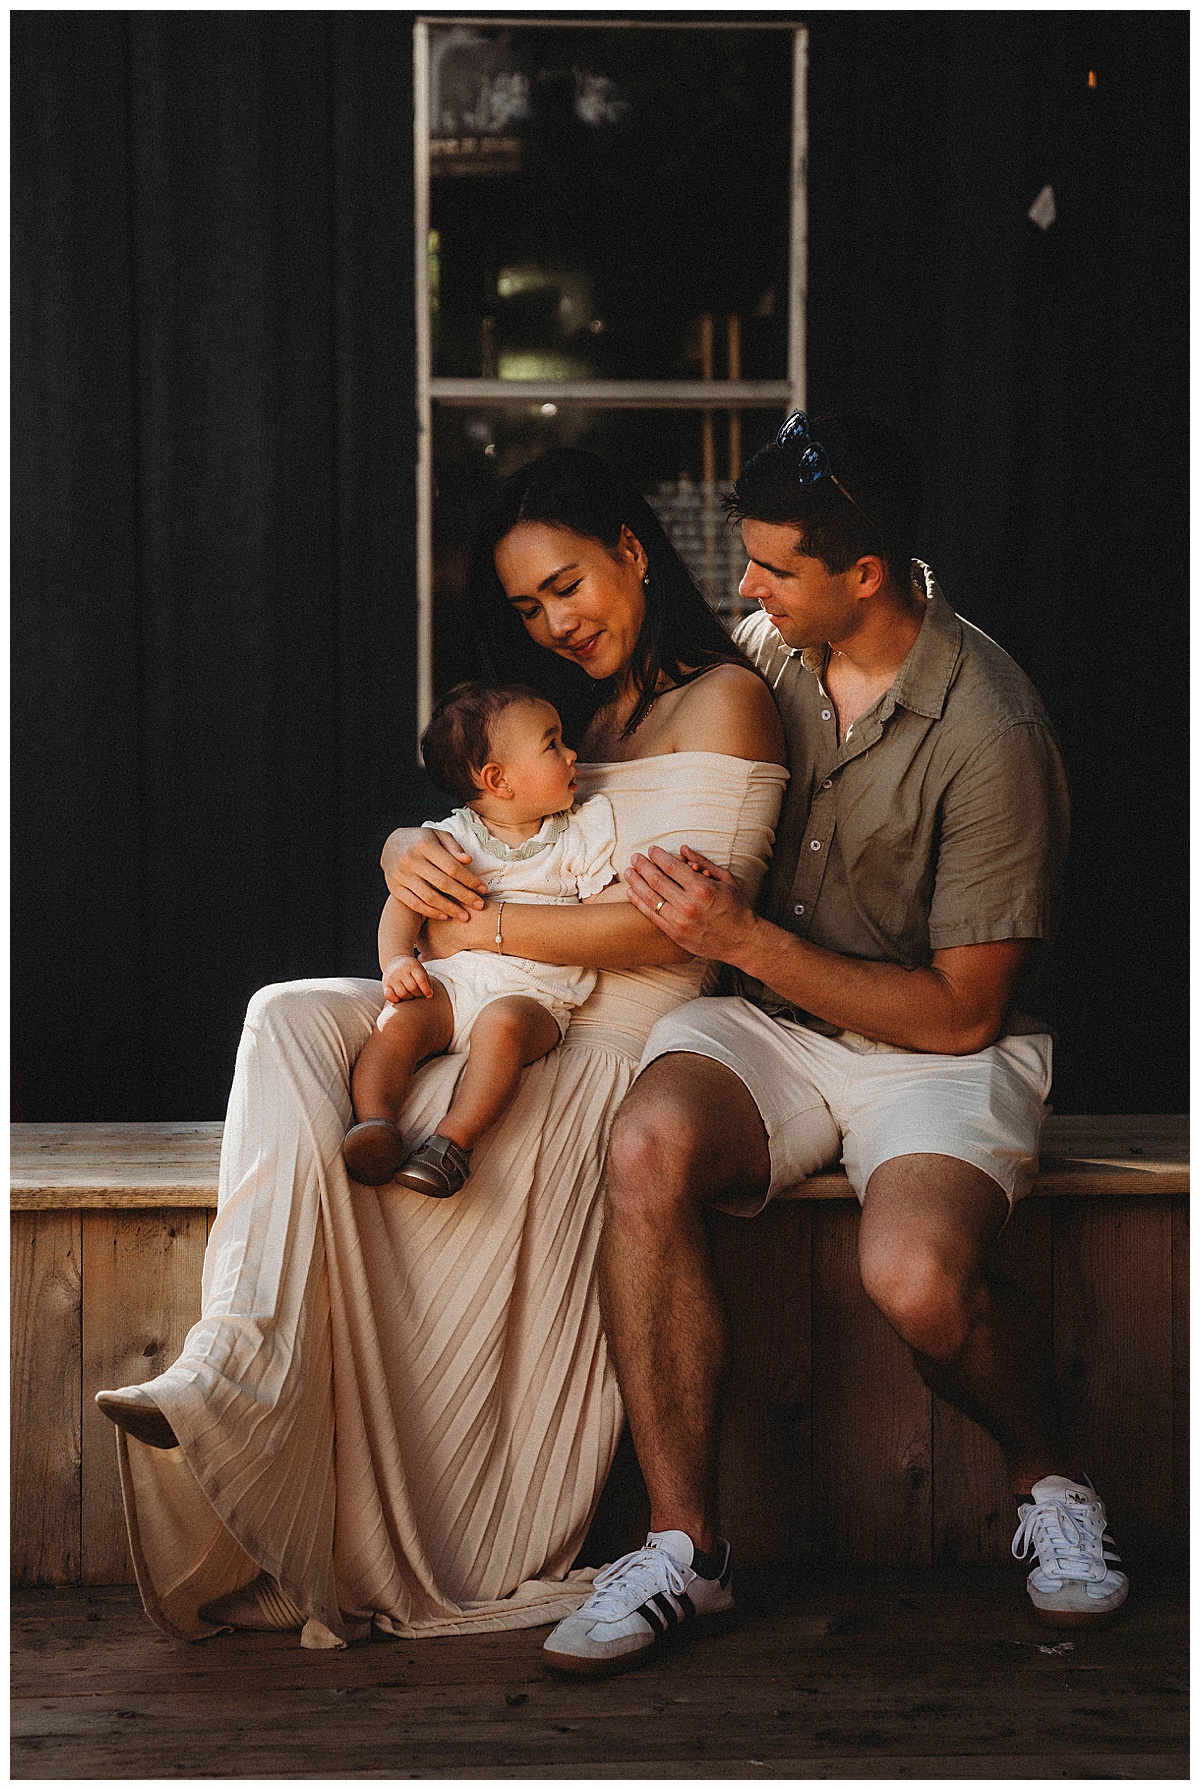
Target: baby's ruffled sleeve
(593,836)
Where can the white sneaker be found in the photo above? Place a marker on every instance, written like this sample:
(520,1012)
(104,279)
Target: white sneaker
(1072,1585)
(637,1603)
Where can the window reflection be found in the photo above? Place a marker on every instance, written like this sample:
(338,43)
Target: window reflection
(597,193)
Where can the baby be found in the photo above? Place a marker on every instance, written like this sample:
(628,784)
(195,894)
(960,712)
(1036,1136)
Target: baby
(501,752)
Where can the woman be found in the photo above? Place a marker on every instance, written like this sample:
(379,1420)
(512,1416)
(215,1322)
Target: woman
(458,1342)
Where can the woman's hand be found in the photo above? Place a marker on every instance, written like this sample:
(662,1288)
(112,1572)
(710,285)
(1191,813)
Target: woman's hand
(405,980)
(694,901)
(430,874)
(444,937)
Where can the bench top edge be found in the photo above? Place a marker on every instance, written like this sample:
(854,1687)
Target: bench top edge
(72,1166)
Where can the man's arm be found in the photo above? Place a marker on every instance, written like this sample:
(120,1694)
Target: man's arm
(956,1006)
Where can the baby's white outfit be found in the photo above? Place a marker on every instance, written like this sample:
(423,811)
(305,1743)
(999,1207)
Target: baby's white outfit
(570,858)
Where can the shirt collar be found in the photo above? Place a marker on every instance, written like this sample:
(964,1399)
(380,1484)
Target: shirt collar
(552,828)
(922,682)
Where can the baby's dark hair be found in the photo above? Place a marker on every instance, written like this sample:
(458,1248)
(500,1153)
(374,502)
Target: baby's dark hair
(458,741)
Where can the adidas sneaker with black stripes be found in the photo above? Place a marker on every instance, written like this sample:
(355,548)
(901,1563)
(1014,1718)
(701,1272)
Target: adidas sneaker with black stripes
(641,1601)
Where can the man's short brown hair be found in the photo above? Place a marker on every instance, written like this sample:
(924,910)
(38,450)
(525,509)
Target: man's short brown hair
(873,462)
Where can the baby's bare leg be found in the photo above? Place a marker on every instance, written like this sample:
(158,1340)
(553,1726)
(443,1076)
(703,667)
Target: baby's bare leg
(406,1034)
(509,1034)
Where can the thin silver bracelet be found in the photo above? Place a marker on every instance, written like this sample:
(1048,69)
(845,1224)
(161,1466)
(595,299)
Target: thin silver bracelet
(499,918)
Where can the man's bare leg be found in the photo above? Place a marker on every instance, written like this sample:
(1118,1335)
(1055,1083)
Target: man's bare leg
(981,1345)
(978,1342)
(687,1133)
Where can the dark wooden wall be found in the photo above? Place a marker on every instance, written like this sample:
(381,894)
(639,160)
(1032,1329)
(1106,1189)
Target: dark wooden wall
(1043,375)
(214,452)
(212,516)
(832,1452)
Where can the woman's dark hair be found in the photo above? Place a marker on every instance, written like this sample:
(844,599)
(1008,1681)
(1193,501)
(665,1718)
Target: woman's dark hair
(568,488)
(458,741)
(872,461)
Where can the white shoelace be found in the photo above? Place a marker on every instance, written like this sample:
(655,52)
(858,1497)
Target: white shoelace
(631,1580)
(1069,1542)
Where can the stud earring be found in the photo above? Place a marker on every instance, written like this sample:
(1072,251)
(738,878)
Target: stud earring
(645,581)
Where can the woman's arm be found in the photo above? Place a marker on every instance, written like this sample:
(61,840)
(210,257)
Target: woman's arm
(729,711)
(604,933)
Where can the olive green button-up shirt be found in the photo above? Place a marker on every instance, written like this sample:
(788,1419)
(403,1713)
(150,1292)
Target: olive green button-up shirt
(940,819)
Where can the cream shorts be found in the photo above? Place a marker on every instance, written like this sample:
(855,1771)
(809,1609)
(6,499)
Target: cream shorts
(474,979)
(824,1097)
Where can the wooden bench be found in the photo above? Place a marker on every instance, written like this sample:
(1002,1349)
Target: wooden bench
(833,1449)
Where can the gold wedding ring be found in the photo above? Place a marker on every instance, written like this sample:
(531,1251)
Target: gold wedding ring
(659,905)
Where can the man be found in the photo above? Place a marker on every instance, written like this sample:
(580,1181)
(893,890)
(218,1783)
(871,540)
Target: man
(881,1009)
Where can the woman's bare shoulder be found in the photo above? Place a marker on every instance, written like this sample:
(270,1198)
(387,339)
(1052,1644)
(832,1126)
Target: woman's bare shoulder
(729,709)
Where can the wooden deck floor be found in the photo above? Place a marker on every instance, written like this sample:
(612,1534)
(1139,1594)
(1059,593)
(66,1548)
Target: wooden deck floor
(889,1674)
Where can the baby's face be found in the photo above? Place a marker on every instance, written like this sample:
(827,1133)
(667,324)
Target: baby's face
(539,769)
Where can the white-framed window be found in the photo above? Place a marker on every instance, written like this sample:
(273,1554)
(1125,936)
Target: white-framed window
(610,238)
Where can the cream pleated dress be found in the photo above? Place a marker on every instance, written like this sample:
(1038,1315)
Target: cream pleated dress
(403,1407)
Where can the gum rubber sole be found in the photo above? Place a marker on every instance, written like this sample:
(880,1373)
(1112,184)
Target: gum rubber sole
(574,1665)
(1077,1618)
(1055,1615)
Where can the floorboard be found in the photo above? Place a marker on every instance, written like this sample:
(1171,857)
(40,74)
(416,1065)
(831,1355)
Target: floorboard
(900,1673)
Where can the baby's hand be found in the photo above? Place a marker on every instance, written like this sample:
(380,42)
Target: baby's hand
(404,979)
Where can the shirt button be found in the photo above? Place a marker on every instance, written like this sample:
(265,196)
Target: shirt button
(828,783)
(815,845)
(799,908)
(826,715)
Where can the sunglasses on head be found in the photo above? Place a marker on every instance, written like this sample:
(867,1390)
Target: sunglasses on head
(813,464)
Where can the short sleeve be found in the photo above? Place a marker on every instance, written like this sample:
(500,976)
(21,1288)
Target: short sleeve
(1004,829)
(593,841)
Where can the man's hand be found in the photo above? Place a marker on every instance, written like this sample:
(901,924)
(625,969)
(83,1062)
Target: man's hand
(404,979)
(430,874)
(694,901)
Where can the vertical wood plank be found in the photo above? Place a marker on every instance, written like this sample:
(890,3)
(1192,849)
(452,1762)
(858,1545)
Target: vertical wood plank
(1112,1339)
(141,1295)
(1180,1361)
(45,1393)
(764,1268)
(973,1511)
(871,1415)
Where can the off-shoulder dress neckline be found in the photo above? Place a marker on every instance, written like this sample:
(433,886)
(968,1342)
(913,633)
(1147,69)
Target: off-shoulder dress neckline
(616,764)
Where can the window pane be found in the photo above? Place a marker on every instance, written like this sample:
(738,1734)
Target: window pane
(609,203)
(664,452)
